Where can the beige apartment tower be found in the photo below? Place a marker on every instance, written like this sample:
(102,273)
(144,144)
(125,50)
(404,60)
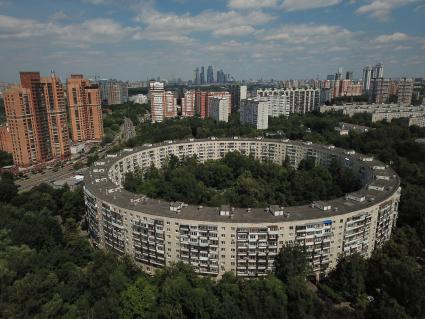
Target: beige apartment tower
(85,109)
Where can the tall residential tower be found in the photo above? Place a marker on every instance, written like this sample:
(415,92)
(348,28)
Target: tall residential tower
(85,109)
(37,120)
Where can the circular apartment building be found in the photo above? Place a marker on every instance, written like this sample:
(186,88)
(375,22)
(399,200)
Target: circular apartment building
(214,240)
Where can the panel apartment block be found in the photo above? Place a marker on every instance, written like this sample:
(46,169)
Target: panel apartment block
(156,233)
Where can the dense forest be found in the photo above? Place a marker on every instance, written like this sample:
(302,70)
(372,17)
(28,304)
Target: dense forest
(295,127)
(49,270)
(173,129)
(242,181)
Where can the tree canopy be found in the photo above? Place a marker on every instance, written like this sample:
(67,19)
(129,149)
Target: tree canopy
(49,270)
(242,181)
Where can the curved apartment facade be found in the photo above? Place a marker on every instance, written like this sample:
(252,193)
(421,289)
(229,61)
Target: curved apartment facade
(245,241)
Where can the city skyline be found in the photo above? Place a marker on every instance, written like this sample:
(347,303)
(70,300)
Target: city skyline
(278,39)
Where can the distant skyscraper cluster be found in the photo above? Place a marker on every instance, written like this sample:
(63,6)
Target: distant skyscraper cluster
(37,120)
(199,77)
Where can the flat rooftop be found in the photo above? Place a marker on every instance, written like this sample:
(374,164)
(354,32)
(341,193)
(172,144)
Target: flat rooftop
(161,208)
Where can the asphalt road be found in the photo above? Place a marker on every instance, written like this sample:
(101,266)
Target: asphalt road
(128,130)
(48,177)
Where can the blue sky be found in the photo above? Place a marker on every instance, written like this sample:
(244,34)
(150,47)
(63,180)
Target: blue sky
(250,39)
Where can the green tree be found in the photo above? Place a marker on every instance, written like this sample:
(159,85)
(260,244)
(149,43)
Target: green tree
(291,262)
(349,278)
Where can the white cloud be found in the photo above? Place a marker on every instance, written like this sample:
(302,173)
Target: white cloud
(416,60)
(395,37)
(252,4)
(288,5)
(296,5)
(307,33)
(234,31)
(90,31)
(179,28)
(96,2)
(381,9)
(11,27)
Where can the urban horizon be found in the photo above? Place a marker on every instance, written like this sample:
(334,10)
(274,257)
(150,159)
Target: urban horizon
(357,75)
(274,39)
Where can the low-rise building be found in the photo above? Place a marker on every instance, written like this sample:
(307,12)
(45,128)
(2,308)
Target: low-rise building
(138,99)
(345,128)
(380,112)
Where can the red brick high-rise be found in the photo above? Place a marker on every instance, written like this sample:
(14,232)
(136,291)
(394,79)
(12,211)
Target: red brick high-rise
(36,115)
(85,110)
(202,97)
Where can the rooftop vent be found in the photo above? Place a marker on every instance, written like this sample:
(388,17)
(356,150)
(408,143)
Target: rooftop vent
(321,205)
(357,197)
(276,210)
(176,207)
(376,187)
(224,210)
(383,177)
